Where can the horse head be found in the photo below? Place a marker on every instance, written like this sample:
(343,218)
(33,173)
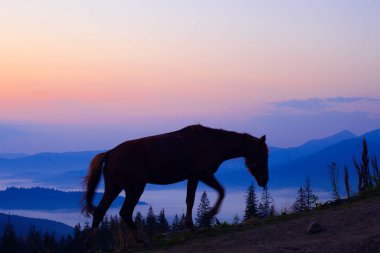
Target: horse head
(256,160)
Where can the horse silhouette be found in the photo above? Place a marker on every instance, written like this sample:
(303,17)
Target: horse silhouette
(193,153)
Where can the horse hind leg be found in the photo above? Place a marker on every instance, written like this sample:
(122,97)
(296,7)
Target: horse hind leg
(110,193)
(132,196)
(211,181)
(109,196)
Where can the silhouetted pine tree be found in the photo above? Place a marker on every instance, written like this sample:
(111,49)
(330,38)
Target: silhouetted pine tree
(151,221)
(365,181)
(266,206)
(182,222)
(334,179)
(69,244)
(77,243)
(272,211)
(9,242)
(62,245)
(49,244)
(33,241)
(139,220)
(376,171)
(116,234)
(310,198)
(163,225)
(203,219)
(236,220)
(300,204)
(176,224)
(251,205)
(347,182)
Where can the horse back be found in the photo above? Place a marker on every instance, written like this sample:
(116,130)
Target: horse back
(165,158)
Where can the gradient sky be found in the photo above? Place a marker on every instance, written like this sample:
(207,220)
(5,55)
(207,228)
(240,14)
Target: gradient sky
(88,74)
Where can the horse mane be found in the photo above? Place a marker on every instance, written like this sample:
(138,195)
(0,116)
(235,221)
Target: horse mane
(216,132)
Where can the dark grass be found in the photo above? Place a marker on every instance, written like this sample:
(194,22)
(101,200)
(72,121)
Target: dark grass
(164,241)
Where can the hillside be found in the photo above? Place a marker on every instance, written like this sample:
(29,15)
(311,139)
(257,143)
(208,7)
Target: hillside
(22,225)
(350,227)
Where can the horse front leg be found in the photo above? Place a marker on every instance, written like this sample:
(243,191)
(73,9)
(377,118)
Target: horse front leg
(190,197)
(211,181)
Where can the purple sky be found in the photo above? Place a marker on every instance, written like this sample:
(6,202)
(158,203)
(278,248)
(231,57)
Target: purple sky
(87,75)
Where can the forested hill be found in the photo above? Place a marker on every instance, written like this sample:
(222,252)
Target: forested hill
(22,226)
(38,198)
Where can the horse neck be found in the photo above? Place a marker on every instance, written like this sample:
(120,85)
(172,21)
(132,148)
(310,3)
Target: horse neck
(233,145)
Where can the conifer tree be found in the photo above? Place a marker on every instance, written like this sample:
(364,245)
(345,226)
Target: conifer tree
(347,182)
(176,224)
(163,224)
(116,235)
(310,198)
(365,180)
(49,244)
(334,179)
(300,204)
(376,171)
(182,221)
(78,238)
(63,245)
(272,211)
(265,207)
(151,221)
(139,220)
(33,240)
(250,204)
(69,244)
(9,242)
(306,199)
(203,219)
(236,220)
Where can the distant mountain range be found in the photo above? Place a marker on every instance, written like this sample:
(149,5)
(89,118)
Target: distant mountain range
(292,172)
(288,166)
(22,225)
(46,199)
(47,163)
(12,155)
(315,165)
(282,155)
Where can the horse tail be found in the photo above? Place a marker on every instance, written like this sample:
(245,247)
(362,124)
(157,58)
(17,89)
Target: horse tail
(91,181)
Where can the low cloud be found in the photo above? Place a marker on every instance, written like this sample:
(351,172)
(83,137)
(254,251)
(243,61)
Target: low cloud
(351,99)
(320,104)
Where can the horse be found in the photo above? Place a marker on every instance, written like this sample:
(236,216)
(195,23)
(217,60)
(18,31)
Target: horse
(193,153)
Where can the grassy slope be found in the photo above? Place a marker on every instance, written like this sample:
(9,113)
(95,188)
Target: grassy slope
(350,226)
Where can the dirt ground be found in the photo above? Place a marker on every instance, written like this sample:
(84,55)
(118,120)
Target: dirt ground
(352,227)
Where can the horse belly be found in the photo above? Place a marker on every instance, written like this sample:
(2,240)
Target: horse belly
(167,173)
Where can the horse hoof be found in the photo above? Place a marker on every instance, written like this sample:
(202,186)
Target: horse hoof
(140,237)
(189,224)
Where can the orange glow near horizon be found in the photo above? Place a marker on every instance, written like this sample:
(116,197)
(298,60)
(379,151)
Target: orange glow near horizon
(74,62)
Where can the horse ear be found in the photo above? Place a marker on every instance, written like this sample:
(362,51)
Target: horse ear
(263,138)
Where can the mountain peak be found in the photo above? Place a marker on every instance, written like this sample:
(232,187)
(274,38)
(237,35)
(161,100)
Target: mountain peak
(324,142)
(345,133)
